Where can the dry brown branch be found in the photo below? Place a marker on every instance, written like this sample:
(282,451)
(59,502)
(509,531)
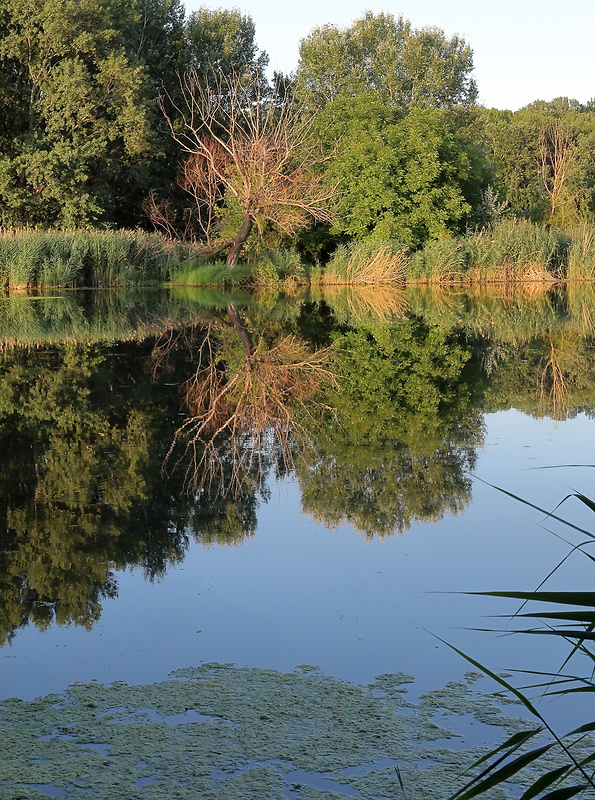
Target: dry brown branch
(553,394)
(258,154)
(259,408)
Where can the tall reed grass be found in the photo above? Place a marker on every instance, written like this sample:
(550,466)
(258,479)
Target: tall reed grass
(512,251)
(367,262)
(517,250)
(581,258)
(568,615)
(87,258)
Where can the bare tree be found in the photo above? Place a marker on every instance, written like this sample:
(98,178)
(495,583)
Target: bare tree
(252,161)
(556,162)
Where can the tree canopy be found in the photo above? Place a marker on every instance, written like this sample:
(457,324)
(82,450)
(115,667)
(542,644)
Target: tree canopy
(401,176)
(384,54)
(84,140)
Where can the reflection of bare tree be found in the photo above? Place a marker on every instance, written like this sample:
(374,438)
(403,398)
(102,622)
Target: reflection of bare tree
(553,386)
(247,404)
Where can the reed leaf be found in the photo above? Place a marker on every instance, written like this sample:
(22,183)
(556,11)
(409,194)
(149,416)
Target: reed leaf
(562,794)
(503,773)
(544,782)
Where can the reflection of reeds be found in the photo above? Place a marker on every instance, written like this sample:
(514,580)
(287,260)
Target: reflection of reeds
(506,313)
(581,305)
(359,304)
(62,317)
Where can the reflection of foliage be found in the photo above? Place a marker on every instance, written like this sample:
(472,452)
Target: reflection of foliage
(86,428)
(406,434)
(551,378)
(248,400)
(82,493)
(76,480)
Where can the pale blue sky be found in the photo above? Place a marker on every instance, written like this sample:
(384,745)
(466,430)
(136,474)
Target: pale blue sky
(525,50)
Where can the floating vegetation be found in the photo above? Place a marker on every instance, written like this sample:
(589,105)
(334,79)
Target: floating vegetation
(218,730)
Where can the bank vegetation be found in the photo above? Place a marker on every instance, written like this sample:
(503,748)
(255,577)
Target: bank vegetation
(373,162)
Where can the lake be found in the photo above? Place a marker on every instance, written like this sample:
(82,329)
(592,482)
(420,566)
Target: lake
(192,478)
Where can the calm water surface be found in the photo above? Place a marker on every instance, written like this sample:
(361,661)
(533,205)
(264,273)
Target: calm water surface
(352,556)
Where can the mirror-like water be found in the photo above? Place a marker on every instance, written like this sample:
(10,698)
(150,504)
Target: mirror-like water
(269,482)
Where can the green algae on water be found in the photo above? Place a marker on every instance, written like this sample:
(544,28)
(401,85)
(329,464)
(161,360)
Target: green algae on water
(218,731)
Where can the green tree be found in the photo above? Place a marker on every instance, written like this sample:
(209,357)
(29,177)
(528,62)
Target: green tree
(78,81)
(401,177)
(543,160)
(384,54)
(223,41)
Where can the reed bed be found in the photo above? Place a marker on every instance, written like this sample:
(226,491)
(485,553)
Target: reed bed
(581,257)
(367,262)
(87,258)
(201,273)
(518,250)
(441,261)
(514,251)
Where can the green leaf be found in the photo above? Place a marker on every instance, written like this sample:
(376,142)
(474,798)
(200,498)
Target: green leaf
(586,599)
(562,794)
(544,781)
(504,773)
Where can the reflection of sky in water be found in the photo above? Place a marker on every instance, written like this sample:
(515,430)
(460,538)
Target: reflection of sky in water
(298,593)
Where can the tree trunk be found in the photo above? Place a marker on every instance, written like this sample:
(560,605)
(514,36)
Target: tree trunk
(239,242)
(205,251)
(240,329)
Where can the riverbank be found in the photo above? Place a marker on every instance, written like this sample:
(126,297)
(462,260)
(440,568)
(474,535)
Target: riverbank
(513,251)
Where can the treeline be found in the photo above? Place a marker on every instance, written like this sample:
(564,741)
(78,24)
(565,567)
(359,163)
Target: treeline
(103,123)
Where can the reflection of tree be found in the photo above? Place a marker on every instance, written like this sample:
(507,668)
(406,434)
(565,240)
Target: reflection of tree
(82,492)
(85,433)
(73,487)
(406,435)
(248,398)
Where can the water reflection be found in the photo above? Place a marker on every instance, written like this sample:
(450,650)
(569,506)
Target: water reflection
(378,415)
(253,389)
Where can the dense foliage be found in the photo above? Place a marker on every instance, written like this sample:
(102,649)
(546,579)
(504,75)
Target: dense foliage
(88,87)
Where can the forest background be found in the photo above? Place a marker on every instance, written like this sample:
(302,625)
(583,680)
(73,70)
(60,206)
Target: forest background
(94,93)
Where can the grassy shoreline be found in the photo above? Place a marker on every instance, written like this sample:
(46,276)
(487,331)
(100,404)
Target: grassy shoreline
(512,252)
